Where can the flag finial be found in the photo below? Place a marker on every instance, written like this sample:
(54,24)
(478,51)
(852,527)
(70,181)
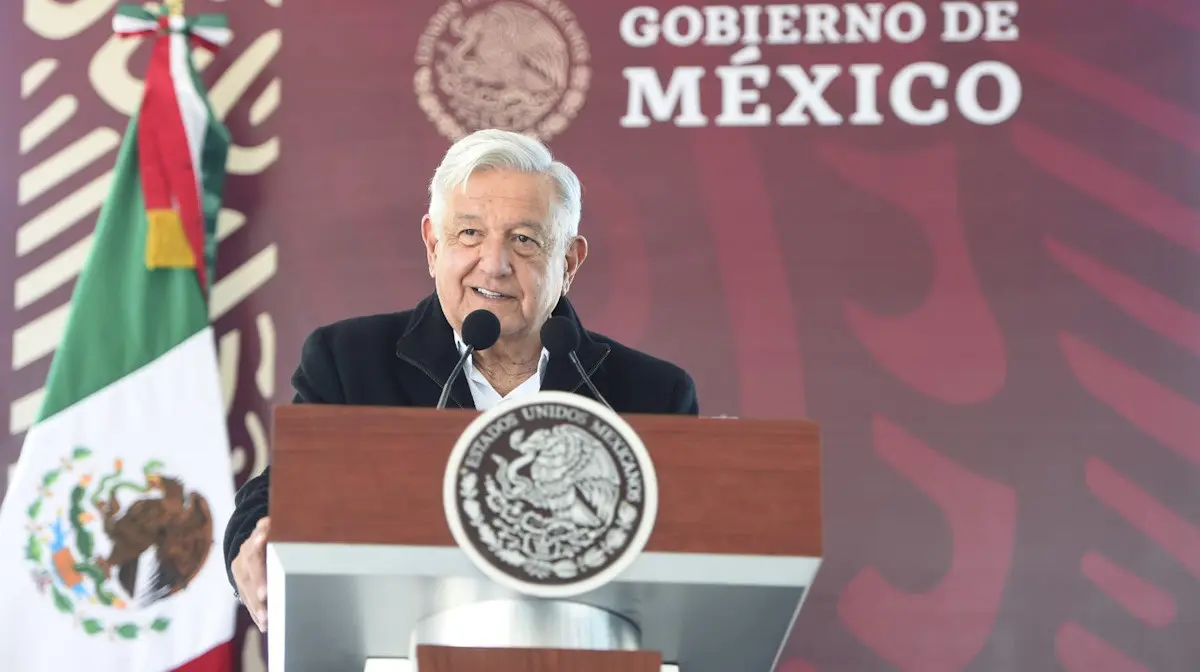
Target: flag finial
(174,7)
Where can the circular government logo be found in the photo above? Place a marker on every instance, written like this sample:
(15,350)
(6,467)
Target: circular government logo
(518,65)
(107,544)
(552,496)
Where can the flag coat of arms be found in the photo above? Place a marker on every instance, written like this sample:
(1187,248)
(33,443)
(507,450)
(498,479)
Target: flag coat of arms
(108,529)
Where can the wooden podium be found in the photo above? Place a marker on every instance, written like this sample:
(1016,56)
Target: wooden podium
(362,564)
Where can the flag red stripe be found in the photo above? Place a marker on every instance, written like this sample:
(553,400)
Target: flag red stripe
(217,659)
(202,43)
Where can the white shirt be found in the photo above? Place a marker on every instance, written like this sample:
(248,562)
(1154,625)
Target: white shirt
(482,391)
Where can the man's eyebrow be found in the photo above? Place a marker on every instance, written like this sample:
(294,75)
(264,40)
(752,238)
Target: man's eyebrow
(468,218)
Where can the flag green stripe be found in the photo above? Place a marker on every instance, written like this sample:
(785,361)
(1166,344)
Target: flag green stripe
(123,316)
(209,21)
(134,11)
(212,185)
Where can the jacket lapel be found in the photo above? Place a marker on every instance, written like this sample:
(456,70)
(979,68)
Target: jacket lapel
(428,344)
(560,372)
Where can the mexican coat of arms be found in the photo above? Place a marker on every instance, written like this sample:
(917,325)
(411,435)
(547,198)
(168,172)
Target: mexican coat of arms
(553,496)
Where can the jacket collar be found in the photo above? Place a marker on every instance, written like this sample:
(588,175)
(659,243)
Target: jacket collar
(428,344)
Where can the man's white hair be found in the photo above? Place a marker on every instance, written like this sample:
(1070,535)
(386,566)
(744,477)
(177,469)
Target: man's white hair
(493,149)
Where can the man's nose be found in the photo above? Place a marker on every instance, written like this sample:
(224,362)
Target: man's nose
(495,257)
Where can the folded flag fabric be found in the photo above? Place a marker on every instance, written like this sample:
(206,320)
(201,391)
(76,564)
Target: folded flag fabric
(124,481)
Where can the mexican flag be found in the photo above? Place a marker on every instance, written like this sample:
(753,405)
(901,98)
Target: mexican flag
(109,532)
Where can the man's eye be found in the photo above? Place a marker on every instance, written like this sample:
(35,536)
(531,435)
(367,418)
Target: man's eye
(523,239)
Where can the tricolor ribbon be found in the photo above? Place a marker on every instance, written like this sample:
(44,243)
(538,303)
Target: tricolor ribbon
(181,145)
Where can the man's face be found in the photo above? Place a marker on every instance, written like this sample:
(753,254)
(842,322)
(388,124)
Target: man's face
(497,250)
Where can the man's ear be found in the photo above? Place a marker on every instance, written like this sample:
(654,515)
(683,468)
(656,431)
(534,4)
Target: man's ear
(429,235)
(577,251)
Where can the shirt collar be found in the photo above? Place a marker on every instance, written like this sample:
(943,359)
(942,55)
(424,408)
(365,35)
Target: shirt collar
(469,365)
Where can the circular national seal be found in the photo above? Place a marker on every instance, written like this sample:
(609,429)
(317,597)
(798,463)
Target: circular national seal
(517,65)
(552,496)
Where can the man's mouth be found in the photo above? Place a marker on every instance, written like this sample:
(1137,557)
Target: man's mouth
(488,294)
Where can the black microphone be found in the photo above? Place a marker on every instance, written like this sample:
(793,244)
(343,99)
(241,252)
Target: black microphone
(560,337)
(480,331)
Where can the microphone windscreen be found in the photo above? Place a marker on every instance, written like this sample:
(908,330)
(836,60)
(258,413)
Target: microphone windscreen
(481,329)
(559,336)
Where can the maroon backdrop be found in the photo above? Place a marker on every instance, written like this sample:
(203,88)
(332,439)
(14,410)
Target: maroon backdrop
(996,324)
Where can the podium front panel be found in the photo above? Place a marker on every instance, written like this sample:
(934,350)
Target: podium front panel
(361,552)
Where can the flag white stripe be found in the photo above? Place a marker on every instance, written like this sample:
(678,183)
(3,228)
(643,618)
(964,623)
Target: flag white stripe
(170,410)
(213,34)
(130,24)
(192,109)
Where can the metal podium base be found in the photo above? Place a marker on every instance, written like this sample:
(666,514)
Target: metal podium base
(333,607)
(530,624)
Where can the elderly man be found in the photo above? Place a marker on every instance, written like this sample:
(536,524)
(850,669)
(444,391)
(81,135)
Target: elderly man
(502,235)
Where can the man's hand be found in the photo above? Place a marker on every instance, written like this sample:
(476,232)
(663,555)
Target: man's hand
(250,573)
